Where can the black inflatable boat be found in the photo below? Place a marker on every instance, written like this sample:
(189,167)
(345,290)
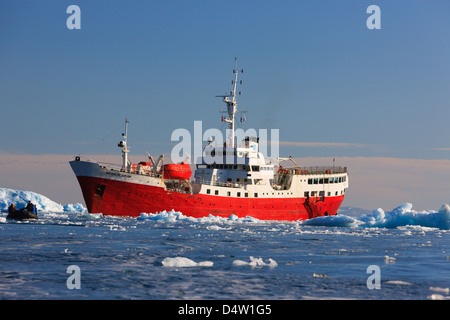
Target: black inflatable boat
(22,215)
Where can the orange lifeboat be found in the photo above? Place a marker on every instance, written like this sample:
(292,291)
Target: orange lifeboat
(177,171)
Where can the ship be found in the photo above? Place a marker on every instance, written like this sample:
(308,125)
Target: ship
(243,183)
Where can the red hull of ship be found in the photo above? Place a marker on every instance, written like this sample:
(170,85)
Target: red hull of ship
(131,199)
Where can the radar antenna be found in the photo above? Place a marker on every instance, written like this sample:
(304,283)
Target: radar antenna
(231,102)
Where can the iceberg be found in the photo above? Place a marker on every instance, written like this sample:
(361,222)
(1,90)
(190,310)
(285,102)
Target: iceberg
(20,199)
(403,215)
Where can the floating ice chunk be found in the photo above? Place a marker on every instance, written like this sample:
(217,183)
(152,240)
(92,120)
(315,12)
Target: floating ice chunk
(175,216)
(320,275)
(272,263)
(256,262)
(389,260)
(166,216)
(441,290)
(182,262)
(216,228)
(92,216)
(399,282)
(332,221)
(239,263)
(435,296)
(76,208)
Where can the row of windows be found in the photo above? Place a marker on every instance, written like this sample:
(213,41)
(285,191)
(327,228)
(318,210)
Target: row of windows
(238,194)
(307,193)
(216,192)
(237,167)
(327,180)
(220,153)
(321,193)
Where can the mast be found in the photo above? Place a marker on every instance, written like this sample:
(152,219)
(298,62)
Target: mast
(123,145)
(231,102)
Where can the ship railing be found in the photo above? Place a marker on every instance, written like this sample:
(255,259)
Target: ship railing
(222,183)
(313,170)
(110,166)
(117,167)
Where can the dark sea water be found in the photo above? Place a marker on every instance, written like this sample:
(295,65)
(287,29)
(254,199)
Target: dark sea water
(170,256)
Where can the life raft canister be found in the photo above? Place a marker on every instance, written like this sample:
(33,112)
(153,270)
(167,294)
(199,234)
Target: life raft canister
(177,171)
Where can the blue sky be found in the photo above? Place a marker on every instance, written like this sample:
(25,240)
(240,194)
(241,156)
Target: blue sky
(311,69)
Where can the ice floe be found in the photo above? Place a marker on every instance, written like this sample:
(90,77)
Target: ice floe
(182,262)
(255,262)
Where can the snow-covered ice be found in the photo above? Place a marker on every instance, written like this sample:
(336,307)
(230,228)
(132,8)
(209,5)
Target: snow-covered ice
(43,204)
(400,216)
(403,215)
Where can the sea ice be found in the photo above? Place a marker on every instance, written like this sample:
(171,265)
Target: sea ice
(389,260)
(182,262)
(332,221)
(320,275)
(403,215)
(441,290)
(399,282)
(255,262)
